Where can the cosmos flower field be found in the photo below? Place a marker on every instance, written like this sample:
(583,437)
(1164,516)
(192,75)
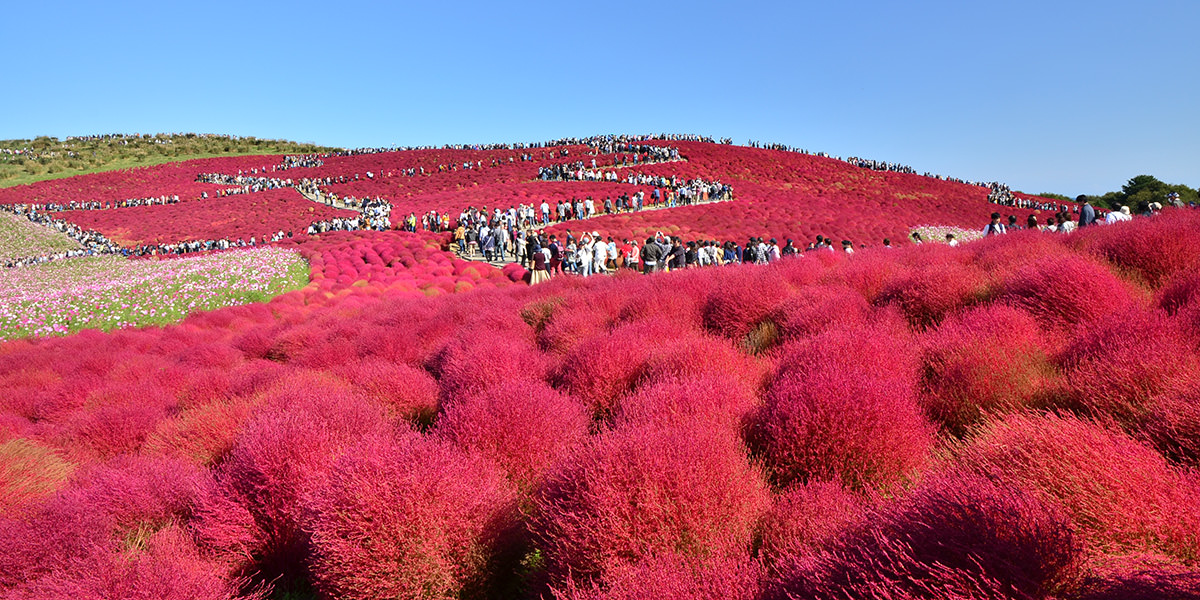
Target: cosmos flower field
(1016,417)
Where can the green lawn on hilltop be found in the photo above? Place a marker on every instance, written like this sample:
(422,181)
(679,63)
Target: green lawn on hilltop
(45,158)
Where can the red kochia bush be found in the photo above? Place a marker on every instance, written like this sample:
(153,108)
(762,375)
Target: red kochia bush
(1173,427)
(1181,292)
(406,392)
(719,401)
(699,356)
(1151,250)
(524,427)
(407,518)
(603,368)
(940,285)
(953,538)
(481,359)
(168,567)
(1122,364)
(1122,496)
(813,309)
(672,577)
(740,298)
(1065,290)
(1151,580)
(283,453)
(843,407)
(29,472)
(641,491)
(805,520)
(110,507)
(987,361)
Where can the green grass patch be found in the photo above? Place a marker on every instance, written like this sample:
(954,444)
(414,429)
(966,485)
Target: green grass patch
(46,158)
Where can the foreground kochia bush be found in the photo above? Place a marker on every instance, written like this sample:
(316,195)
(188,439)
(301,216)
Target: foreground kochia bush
(843,407)
(408,518)
(643,490)
(1123,497)
(962,537)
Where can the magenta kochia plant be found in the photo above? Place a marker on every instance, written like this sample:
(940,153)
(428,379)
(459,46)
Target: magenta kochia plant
(673,577)
(981,363)
(642,491)
(283,453)
(1122,496)
(409,517)
(954,537)
(524,427)
(843,407)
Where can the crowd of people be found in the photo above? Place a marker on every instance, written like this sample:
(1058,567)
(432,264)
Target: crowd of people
(97,204)
(91,242)
(873,165)
(591,253)
(357,223)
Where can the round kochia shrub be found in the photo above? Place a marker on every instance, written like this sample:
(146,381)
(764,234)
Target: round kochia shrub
(1062,291)
(524,427)
(1119,367)
(938,287)
(406,392)
(740,298)
(963,537)
(720,401)
(283,453)
(641,491)
(408,518)
(805,520)
(843,407)
(604,367)
(1122,496)
(813,309)
(987,361)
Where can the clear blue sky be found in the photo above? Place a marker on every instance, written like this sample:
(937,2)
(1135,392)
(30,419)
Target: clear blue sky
(1070,97)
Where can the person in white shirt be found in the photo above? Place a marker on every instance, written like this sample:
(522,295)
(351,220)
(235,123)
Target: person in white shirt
(1118,216)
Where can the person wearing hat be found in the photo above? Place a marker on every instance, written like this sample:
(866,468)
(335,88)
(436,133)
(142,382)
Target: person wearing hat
(773,252)
(788,249)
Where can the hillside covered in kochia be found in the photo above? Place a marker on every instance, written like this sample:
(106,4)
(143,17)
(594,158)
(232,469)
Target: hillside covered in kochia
(1011,418)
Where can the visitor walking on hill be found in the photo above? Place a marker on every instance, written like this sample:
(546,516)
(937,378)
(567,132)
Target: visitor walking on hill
(995,227)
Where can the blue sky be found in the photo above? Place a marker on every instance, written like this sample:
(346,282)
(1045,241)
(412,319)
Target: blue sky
(1067,97)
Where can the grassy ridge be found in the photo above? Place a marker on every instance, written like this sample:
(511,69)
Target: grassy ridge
(46,158)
